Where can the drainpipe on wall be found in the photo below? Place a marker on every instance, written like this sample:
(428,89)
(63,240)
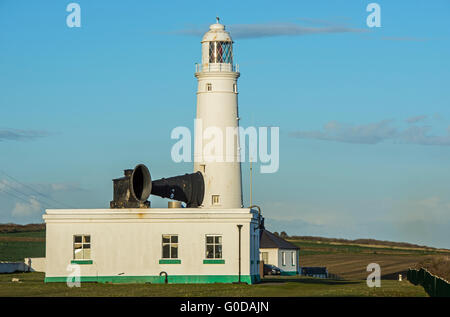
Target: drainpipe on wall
(239,229)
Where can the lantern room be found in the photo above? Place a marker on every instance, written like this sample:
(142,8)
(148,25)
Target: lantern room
(217,49)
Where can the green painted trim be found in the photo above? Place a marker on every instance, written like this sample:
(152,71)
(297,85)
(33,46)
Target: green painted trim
(81,262)
(214,261)
(172,279)
(288,273)
(169,261)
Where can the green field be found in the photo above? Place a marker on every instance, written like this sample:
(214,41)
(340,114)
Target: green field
(32,285)
(18,245)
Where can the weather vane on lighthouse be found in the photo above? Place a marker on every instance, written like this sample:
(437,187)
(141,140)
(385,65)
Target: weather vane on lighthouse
(218,19)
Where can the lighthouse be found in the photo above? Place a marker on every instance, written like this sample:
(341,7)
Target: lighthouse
(214,239)
(216,149)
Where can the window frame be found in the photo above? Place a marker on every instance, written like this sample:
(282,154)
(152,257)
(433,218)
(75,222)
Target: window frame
(293,258)
(82,243)
(265,256)
(213,201)
(170,243)
(283,258)
(214,244)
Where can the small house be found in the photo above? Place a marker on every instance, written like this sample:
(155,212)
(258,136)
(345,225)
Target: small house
(279,252)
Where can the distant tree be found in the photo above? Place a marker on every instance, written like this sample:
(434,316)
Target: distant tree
(284,235)
(276,233)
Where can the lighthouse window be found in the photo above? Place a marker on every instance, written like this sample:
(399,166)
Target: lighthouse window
(82,247)
(213,247)
(220,52)
(169,246)
(235,88)
(208,87)
(215,199)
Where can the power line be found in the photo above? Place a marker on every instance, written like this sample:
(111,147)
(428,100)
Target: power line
(35,191)
(13,195)
(17,197)
(25,195)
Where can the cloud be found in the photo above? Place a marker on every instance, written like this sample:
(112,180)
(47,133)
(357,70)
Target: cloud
(363,134)
(374,133)
(416,119)
(22,209)
(247,31)
(20,135)
(420,135)
(403,39)
(36,196)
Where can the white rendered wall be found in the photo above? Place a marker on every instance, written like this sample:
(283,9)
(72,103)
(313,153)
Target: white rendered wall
(272,255)
(128,242)
(218,108)
(275,257)
(288,267)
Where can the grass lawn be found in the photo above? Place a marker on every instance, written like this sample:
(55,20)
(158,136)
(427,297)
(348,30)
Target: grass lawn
(32,285)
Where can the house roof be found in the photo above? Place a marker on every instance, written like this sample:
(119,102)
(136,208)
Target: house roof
(268,240)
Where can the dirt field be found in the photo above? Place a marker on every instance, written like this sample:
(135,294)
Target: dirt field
(352,266)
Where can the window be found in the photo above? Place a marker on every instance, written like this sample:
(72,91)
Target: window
(215,199)
(208,87)
(213,247)
(203,168)
(235,88)
(293,258)
(283,258)
(265,257)
(82,247)
(169,246)
(220,52)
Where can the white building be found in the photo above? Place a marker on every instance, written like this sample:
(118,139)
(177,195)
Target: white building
(279,252)
(217,242)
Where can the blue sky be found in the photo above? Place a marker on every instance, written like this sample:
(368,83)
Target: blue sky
(363,112)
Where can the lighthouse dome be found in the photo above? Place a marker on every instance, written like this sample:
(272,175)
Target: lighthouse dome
(217,49)
(217,33)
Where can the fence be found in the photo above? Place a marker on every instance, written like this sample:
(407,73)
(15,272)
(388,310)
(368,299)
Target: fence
(433,285)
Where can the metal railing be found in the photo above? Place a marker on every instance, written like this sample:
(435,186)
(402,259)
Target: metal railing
(216,67)
(433,285)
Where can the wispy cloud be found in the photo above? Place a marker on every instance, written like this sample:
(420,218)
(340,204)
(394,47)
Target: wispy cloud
(416,119)
(21,135)
(247,31)
(286,29)
(364,134)
(374,133)
(403,39)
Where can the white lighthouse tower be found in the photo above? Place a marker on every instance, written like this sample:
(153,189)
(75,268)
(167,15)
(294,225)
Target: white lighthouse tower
(217,116)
